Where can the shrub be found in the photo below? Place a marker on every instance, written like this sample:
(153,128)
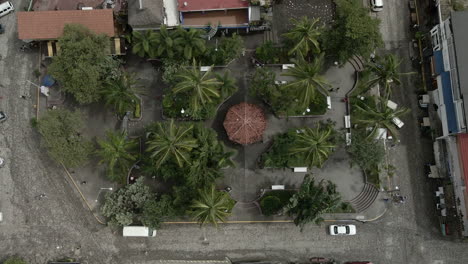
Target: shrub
(270,205)
(267,53)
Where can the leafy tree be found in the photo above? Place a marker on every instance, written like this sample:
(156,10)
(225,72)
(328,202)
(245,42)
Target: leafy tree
(268,53)
(312,200)
(166,43)
(190,42)
(207,159)
(15,260)
(171,142)
(123,206)
(386,72)
(366,153)
(199,86)
(308,80)
(170,68)
(354,32)
(121,93)
(144,43)
(270,205)
(304,36)
(82,66)
(227,49)
(227,84)
(61,135)
(211,206)
(377,116)
(314,144)
(118,153)
(157,211)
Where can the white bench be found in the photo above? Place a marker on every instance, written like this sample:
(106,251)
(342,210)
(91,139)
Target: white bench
(277,187)
(287,66)
(347,121)
(300,169)
(205,68)
(329,102)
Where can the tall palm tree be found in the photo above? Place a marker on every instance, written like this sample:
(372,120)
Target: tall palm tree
(201,87)
(314,144)
(377,115)
(167,43)
(118,153)
(121,93)
(228,84)
(170,141)
(304,35)
(386,72)
(308,80)
(211,206)
(144,44)
(190,42)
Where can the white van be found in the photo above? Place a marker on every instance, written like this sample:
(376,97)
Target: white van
(376,5)
(397,121)
(6,8)
(138,231)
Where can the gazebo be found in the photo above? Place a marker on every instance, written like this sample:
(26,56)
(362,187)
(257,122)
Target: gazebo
(245,123)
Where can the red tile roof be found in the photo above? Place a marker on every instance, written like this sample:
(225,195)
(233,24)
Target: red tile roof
(41,25)
(462,140)
(199,5)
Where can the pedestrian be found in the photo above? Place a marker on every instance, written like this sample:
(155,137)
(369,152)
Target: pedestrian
(23,96)
(84,182)
(330,90)
(337,89)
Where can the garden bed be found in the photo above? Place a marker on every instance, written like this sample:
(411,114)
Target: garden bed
(272,202)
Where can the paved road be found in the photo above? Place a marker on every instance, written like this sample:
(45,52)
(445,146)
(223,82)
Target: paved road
(59,225)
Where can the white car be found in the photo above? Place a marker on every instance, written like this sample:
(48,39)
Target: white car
(397,122)
(347,230)
(376,5)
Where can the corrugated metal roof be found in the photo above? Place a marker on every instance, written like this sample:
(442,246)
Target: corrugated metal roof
(448,102)
(199,5)
(43,25)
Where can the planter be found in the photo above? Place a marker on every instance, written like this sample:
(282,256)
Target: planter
(138,109)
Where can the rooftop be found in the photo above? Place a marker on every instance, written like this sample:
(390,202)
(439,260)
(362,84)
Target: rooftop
(44,25)
(223,18)
(149,16)
(200,5)
(459,22)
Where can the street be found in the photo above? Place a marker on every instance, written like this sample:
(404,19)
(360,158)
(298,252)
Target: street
(57,225)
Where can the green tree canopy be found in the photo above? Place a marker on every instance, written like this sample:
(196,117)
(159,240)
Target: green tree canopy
(312,200)
(367,153)
(120,93)
(190,42)
(212,206)
(376,115)
(123,206)
(201,88)
(308,80)
(144,43)
(354,32)
(61,132)
(314,145)
(386,72)
(166,43)
(83,64)
(304,36)
(157,211)
(169,141)
(119,154)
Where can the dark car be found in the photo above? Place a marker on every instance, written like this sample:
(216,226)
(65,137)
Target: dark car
(2,30)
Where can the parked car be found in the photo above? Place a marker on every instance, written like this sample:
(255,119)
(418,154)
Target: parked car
(397,122)
(3,117)
(376,5)
(337,230)
(6,8)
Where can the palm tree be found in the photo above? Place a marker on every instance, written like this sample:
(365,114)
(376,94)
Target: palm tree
(304,35)
(200,87)
(117,152)
(308,80)
(166,42)
(144,44)
(315,144)
(377,115)
(121,93)
(386,72)
(228,84)
(170,141)
(190,42)
(211,206)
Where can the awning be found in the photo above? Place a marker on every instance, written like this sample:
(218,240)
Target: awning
(438,62)
(448,102)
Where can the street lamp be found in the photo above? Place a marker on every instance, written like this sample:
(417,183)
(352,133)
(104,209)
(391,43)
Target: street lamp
(100,190)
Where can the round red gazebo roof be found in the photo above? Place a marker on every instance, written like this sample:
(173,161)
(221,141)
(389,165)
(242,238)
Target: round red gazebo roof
(245,123)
